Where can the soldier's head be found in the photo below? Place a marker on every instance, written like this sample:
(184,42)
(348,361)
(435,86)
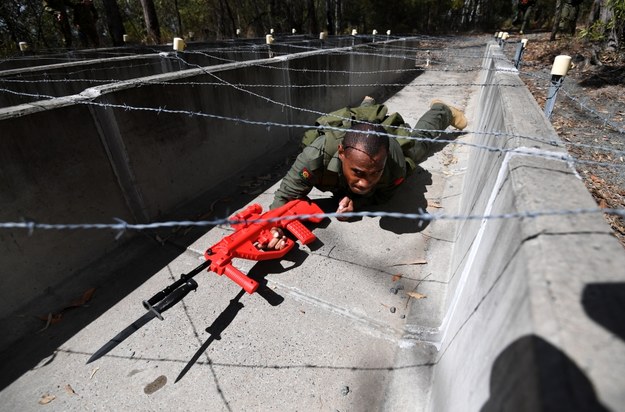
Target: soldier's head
(363,154)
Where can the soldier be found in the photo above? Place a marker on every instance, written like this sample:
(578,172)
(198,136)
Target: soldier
(568,16)
(85,18)
(364,167)
(58,9)
(523,13)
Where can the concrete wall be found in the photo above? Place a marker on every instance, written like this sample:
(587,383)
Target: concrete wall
(36,78)
(86,158)
(528,324)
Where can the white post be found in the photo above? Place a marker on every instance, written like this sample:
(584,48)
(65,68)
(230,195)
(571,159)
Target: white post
(560,68)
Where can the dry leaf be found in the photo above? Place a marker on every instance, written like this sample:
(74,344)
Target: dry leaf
(47,398)
(416,295)
(69,389)
(434,204)
(396,277)
(50,319)
(86,297)
(93,372)
(603,204)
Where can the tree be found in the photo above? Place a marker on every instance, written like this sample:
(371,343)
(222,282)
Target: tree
(114,22)
(606,23)
(151,21)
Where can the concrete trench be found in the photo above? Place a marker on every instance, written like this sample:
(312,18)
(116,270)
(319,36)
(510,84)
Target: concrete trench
(381,314)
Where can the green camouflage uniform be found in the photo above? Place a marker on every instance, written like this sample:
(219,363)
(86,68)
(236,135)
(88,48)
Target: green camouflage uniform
(523,12)
(568,16)
(319,166)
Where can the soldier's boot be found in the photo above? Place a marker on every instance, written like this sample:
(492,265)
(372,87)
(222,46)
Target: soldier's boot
(368,101)
(458,119)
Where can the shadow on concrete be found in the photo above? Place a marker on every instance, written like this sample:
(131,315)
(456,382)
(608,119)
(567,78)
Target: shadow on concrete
(409,198)
(136,259)
(215,330)
(533,375)
(258,273)
(40,343)
(605,304)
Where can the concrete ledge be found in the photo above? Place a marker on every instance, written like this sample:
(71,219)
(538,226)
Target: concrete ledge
(518,333)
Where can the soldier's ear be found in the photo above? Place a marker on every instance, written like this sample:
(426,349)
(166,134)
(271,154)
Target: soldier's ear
(341,152)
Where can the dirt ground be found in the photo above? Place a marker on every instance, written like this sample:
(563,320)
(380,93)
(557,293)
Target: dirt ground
(589,111)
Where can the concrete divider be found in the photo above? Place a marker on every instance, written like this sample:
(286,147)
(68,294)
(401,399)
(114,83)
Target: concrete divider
(36,78)
(521,330)
(139,149)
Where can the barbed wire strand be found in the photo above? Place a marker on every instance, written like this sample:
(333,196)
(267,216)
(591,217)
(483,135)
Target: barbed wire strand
(122,226)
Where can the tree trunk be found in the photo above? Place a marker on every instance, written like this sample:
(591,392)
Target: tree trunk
(114,22)
(338,16)
(313,27)
(151,21)
(594,13)
(330,16)
(178,18)
(600,11)
(233,24)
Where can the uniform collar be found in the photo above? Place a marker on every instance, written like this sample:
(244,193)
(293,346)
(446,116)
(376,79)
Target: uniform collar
(335,164)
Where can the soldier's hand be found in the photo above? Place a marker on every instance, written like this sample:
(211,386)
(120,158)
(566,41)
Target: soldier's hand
(346,205)
(277,241)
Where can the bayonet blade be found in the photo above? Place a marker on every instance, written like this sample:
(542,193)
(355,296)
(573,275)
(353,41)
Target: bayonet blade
(169,301)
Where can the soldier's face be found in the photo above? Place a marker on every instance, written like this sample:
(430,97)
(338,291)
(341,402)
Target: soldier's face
(362,171)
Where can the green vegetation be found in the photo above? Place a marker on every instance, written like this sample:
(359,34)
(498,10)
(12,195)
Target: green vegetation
(205,20)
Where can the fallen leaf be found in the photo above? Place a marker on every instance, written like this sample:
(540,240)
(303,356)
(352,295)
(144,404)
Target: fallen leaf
(86,297)
(93,372)
(50,319)
(396,277)
(416,295)
(46,399)
(69,389)
(603,204)
(434,204)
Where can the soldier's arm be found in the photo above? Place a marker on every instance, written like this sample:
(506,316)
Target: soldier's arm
(298,182)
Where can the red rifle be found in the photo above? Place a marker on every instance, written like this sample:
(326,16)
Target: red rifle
(252,227)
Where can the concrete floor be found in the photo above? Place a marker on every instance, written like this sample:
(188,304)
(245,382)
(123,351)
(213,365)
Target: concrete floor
(332,328)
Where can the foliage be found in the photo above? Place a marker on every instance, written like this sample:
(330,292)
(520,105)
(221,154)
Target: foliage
(601,29)
(25,20)
(596,32)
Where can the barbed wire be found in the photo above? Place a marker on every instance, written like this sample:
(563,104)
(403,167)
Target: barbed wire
(267,85)
(163,110)
(593,111)
(583,105)
(236,120)
(422,216)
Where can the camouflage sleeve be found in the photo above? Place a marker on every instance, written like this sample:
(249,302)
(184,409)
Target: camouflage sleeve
(301,178)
